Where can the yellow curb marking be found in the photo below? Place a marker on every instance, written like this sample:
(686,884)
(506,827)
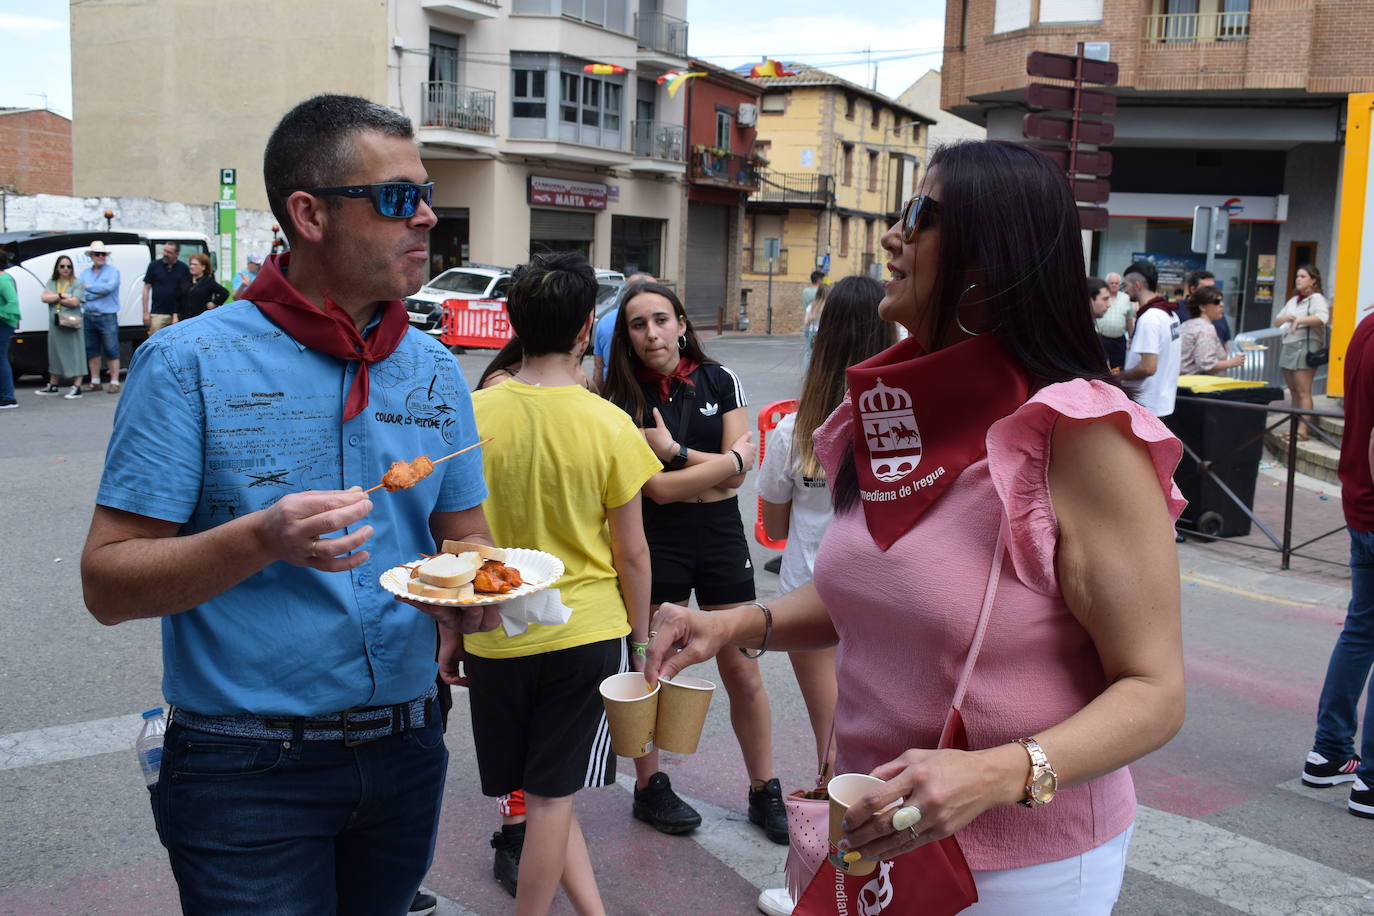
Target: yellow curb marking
(1286,602)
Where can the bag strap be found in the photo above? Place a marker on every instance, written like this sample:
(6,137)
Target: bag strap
(688,394)
(989,596)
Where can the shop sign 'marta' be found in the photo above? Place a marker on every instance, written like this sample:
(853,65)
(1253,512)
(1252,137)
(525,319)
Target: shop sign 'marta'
(560,192)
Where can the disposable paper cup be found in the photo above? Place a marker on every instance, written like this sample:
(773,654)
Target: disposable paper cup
(631,709)
(845,790)
(682,706)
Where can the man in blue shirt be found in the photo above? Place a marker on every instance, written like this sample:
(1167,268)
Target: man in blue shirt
(100,315)
(304,766)
(605,330)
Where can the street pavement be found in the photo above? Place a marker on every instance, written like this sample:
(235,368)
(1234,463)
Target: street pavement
(1224,825)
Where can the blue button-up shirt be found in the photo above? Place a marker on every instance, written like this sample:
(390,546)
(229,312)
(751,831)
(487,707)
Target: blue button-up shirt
(223,415)
(102,289)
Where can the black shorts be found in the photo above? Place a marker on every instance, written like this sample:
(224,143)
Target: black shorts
(698,547)
(538,723)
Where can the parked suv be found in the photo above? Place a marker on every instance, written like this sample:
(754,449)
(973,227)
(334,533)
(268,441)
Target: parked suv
(471,281)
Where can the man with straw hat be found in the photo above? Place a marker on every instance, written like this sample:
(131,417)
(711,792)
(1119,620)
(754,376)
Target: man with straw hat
(100,315)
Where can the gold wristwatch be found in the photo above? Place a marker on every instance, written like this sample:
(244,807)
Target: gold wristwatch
(1043,781)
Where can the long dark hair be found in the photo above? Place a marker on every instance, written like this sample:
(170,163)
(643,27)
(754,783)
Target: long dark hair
(512,354)
(1009,224)
(622,380)
(55,275)
(849,332)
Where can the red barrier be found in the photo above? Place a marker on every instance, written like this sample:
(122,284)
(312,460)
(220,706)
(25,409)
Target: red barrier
(769,418)
(481,323)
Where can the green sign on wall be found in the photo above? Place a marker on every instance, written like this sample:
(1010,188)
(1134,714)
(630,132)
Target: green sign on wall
(228,222)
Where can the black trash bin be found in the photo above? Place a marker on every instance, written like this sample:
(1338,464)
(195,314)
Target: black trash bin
(1232,440)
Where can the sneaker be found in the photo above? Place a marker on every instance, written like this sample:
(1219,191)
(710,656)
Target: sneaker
(423,904)
(1361,802)
(73,394)
(509,843)
(49,389)
(1319,772)
(659,806)
(767,810)
(8,404)
(775,901)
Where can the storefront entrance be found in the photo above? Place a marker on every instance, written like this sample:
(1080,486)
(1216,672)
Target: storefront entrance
(561,230)
(448,240)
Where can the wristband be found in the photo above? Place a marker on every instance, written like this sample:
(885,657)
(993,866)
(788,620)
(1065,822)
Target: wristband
(767,631)
(639,648)
(739,461)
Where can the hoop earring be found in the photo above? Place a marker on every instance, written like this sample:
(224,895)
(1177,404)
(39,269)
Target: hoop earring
(682,342)
(959,314)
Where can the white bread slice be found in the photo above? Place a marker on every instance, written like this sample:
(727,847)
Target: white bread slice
(449,570)
(482,550)
(422,589)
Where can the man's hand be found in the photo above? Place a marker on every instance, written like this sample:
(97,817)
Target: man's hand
(451,657)
(293,529)
(459,619)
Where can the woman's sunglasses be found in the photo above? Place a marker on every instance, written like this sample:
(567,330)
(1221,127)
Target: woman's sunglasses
(917,214)
(392,199)
(64,267)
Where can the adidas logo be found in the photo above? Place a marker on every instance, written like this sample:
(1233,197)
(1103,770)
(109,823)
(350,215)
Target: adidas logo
(710,410)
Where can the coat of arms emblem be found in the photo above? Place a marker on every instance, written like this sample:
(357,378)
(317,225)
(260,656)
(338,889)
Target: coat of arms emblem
(889,424)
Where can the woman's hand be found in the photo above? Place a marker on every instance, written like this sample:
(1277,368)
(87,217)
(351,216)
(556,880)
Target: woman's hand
(680,637)
(49,297)
(659,439)
(746,448)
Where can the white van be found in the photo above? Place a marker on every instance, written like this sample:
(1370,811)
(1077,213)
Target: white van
(32,256)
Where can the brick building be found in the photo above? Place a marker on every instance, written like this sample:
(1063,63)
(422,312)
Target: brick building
(35,151)
(1235,103)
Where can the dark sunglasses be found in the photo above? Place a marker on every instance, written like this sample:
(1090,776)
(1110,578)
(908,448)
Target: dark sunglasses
(917,214)
(392,199)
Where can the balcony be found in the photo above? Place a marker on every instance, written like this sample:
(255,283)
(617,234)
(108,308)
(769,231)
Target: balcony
(662,39)
(797,190)
(659,147)
(1181,28)
(757,262)
(459,107)
(473,10)
(724,170)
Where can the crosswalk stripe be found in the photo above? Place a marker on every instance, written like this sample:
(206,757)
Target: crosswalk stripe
(69,742)
(1335,796)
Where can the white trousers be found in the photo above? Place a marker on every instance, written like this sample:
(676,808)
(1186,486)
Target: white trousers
(1083,885)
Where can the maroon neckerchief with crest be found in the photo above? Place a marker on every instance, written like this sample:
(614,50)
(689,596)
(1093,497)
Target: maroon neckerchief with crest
(329,330)
(920,419)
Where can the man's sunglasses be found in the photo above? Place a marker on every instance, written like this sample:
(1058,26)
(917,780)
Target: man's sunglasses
(392,199)
(917,214)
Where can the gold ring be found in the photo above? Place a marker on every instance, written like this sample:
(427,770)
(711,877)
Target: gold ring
(653,633)
(906,818)
(314,542)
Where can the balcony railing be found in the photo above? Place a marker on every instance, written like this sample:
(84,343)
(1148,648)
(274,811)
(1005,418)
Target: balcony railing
(785,188)
(758,262)
(724,168)
(461,107)
(1198,27)
(657,140)
(662,33)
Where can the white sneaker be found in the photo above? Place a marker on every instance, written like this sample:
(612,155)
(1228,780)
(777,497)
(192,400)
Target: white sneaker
(775,901)
(73,394)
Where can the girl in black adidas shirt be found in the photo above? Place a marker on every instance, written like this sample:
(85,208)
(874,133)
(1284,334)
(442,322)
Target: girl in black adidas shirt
(693,413)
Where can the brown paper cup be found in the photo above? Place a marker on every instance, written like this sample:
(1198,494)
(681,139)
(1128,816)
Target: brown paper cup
(631,709)
(682,706)
(845,790)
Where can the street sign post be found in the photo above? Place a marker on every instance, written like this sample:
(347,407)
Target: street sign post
(772,248)
(227,223)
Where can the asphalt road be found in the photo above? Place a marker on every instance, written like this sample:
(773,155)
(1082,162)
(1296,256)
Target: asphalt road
(1223,828)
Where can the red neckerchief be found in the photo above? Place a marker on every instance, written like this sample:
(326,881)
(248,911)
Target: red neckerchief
(685,367)
(330,330)
(1158,302)
(921,419)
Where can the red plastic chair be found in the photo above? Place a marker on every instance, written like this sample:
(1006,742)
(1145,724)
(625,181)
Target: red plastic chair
(769,418)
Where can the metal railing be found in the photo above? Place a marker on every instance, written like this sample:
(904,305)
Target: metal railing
(662,33)
(1261,349)
(461,107)
(787,188)
(658,140)
(1197,27)
(758,262)
(730,168)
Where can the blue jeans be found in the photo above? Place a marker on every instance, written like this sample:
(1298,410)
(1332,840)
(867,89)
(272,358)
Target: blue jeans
(1347,674)
(289,828)
(6,374)
(102,336)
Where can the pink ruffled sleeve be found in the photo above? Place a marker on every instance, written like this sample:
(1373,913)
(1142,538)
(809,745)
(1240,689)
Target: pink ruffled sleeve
(1018,460)
(831,438)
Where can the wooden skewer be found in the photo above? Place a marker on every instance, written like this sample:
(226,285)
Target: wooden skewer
(438,460)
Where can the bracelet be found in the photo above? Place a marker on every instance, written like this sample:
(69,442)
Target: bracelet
(639,648)
(739,462)
(767,631)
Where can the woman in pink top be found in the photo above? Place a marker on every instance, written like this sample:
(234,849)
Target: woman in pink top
(998,413)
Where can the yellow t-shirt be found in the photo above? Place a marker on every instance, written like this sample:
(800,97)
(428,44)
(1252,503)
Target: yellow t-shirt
(558,459)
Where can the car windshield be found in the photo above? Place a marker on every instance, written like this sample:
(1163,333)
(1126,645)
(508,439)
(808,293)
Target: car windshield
(605,292)
(460,281)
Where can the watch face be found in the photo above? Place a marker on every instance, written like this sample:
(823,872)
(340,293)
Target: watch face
(1043,787)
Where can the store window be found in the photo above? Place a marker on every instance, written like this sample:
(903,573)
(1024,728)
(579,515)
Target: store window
(637,245)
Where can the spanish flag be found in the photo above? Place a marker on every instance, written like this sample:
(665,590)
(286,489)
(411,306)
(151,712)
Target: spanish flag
(602,69)
(770,67)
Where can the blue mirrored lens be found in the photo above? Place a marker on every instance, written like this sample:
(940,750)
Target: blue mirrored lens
(398,201)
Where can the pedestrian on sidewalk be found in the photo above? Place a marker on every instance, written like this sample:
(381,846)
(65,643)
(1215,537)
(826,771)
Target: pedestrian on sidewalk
(1303,318)
(66,344)
(9,321)
(100,316)
(1333,760)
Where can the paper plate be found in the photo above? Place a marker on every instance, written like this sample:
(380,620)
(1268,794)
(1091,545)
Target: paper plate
(537,568)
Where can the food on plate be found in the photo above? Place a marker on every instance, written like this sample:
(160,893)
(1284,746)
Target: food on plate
(496,578)
(403,475)
(482,550)
(422,589)
(449,570)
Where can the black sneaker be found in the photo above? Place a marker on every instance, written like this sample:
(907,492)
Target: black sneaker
(1319,772)
(423,904)
(659,806)
(509,843)
(49,389)
(8,403)
(767,810)
(1361,802)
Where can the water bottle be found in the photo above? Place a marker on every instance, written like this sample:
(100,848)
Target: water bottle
(149,744)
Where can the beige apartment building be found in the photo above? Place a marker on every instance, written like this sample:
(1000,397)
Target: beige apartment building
(528,152)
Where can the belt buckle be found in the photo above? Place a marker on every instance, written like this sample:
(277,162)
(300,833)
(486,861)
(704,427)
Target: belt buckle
(354,742)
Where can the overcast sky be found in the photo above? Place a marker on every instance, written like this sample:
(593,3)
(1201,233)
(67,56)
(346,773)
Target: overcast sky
(903,43)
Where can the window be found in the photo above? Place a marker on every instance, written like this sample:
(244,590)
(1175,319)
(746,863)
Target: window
(528,99)
(568,97)
(844,236)
(611,93)
(773,103)
(868,237)
(443,57)
(1070,10)
(873,170)
(877,117)
(1010,15)
(849,107)
(725,129)
(590,102)
(847,176)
